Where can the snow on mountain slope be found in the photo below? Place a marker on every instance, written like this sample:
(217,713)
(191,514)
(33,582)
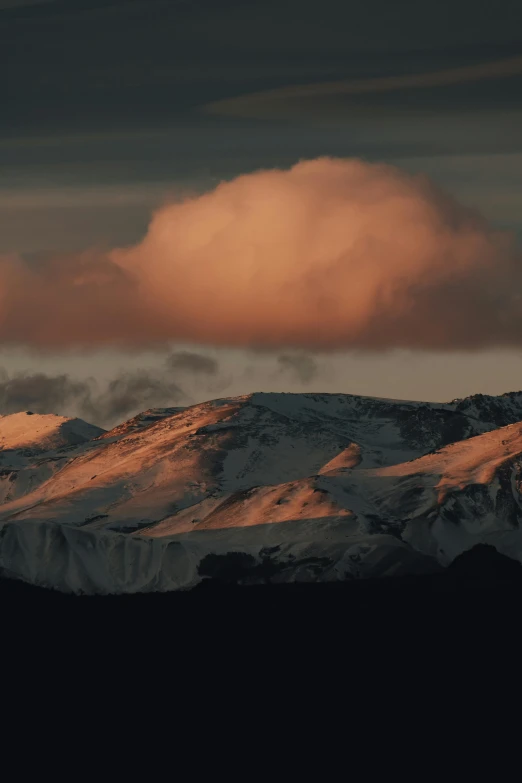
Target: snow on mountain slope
(140,421)
(447,501)
(156,465)
(34,446)
(43,432)
(473,461)
(305,486)
(501,410)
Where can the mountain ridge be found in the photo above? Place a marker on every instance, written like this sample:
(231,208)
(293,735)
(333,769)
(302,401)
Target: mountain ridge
(306,487)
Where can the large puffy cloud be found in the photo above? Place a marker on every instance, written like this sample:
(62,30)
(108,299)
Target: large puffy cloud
(329,254)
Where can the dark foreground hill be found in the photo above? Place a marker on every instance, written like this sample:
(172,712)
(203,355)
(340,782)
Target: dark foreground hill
(476,578)
(436,636)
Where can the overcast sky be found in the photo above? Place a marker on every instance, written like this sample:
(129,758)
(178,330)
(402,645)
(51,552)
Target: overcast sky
(110,108)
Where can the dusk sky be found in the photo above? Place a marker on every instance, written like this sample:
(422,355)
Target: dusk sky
(135,251)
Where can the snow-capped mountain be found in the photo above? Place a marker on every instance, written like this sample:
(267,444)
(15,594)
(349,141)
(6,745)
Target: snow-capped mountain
(277,487)
(43,432)
(34,446)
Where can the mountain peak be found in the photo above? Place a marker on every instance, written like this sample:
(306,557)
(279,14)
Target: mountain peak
(43,431)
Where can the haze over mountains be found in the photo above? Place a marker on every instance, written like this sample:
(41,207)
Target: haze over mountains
(262,487)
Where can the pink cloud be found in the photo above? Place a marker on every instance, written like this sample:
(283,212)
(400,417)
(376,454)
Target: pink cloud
(328,254)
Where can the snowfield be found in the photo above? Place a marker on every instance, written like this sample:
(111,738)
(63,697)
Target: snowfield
(264,487)
(43,432)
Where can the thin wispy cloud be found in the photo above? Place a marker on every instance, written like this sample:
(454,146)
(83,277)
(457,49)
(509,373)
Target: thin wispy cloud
(295,98)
